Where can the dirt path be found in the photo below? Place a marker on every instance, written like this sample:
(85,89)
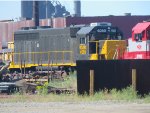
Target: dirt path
(69,107)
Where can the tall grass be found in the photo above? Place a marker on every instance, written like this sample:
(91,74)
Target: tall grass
(125,95)
(42,90)
(68,82)
(147,98)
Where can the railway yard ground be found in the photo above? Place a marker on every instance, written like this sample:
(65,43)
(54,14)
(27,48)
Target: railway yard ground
(74,107)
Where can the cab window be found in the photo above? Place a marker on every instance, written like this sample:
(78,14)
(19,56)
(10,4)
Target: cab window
(138,37)
(148,34)
(83,40)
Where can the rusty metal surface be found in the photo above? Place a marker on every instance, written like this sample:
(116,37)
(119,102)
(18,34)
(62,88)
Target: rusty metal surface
(10,31)
(59,22)
(3,31)
(46,22)
(7,29)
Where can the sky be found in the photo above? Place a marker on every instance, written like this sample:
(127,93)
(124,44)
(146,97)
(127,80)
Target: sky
(12,9)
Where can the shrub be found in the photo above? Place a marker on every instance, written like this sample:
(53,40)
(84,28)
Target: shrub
(42,90)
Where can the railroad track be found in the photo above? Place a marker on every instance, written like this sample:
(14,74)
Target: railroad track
(61,90)
(4,95)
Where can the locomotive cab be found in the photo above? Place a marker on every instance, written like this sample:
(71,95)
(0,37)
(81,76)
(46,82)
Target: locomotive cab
(99,41)
(139,43)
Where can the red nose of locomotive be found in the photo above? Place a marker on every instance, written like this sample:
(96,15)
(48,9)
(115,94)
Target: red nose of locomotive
(139,43)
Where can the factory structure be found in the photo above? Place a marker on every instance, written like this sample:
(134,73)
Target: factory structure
(50,13)
(47,9)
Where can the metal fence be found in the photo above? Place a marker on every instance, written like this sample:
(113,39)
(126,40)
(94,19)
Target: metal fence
(111,74)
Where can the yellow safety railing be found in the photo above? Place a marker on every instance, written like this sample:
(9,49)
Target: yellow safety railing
(42,58)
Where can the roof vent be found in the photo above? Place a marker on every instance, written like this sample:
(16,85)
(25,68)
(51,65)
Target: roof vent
(100,24)
(127,14)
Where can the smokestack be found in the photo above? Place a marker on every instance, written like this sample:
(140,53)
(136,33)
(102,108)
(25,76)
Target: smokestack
(36,13)
(77,8)
(46,9)
(22,6)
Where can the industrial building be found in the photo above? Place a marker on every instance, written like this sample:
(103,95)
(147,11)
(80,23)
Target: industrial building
(51,13)
(47,9)
(125,23)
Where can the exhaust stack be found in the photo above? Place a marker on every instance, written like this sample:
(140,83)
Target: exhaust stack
(77,8)
(36,13)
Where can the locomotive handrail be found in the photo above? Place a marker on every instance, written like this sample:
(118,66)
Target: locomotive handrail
(40,52)
(93,41)
(34,57)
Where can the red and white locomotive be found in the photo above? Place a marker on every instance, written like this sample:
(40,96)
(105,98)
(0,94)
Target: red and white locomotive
(139,44)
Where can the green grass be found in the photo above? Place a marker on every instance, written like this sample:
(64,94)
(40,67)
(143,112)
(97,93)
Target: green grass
(147,98)
(125,95)
(69,82)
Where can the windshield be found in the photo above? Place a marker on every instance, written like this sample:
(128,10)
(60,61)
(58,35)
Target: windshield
(138,37)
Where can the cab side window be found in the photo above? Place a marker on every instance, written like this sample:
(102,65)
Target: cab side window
(138,37)
(82,40)
(148,34)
